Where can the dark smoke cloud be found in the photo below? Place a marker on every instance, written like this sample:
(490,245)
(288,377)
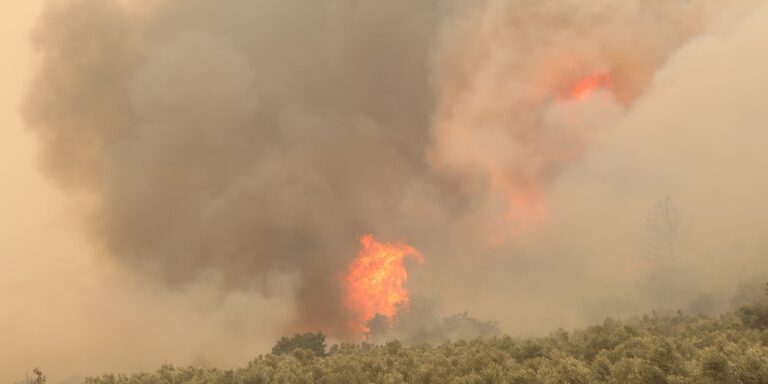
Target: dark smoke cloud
(238,138)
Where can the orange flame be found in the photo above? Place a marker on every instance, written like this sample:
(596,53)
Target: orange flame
(585,86)
(374,280)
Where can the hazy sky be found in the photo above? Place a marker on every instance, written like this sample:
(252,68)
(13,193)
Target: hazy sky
(37,236)
(31,208)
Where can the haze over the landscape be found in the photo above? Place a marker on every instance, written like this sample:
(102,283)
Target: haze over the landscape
(186,181)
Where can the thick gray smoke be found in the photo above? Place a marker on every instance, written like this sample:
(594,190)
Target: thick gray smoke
(236,140)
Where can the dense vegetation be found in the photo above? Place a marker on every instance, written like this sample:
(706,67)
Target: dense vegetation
(676,348)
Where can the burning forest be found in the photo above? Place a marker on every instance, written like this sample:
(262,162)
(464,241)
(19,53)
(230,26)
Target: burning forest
(374,282)
(209,176)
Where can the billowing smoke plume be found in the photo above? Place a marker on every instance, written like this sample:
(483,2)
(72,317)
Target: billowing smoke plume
(518,145)
(238,138)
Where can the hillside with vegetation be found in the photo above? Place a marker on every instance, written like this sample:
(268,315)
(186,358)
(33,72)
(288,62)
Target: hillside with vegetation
(674,348)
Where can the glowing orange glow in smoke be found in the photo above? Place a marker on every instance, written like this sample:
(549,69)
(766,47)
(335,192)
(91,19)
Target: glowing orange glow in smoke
(525,186)
(374,280)
(526,209)
(585,86)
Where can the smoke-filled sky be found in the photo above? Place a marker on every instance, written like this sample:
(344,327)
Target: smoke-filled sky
(185,181)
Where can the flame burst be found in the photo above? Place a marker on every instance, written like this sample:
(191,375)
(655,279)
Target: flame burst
(585,86)
(374,280)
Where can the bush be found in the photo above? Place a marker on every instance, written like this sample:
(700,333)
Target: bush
(754,315)
(313,342)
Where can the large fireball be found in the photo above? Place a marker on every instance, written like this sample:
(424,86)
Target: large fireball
(374,280)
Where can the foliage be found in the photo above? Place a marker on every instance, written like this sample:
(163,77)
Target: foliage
(39,377)
(673,349)
(754,315)
(301,343)
(419,322)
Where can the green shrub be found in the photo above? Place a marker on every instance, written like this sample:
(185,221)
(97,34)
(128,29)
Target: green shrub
(314,342)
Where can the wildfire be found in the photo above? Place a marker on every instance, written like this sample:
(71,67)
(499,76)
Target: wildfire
(374,280)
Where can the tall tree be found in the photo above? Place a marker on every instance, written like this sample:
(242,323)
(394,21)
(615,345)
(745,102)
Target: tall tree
(663,224)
